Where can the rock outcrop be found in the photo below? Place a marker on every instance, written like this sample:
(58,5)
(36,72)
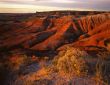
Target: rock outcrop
(51,32)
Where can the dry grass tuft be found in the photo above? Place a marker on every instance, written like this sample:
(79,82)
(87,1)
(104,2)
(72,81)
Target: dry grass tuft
(71,61)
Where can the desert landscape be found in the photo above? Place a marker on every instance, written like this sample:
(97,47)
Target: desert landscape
(55,48)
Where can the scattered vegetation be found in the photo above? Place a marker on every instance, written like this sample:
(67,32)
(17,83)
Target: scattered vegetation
(102,73)
(75,62)
(71,61)
(12,64)
(16,61)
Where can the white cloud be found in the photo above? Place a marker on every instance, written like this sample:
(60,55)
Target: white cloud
(24,8)
(40,1)
(49,5)
(17,0)
(58,1)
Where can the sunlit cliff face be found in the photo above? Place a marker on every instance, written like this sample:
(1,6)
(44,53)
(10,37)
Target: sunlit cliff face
(50,5)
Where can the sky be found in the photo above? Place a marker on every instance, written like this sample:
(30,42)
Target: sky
(30,6)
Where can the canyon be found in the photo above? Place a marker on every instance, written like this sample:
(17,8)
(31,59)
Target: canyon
(55,48)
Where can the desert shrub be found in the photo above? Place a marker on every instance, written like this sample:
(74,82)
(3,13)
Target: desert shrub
(102,68)
(71,61)
(100,73)
(16,61)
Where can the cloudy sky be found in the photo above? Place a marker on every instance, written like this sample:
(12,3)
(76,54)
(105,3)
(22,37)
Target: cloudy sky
(50,5)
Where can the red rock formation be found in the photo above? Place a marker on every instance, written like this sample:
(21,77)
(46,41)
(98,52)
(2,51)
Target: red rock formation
(49,33)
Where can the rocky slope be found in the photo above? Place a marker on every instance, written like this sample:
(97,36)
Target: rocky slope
(52,32)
